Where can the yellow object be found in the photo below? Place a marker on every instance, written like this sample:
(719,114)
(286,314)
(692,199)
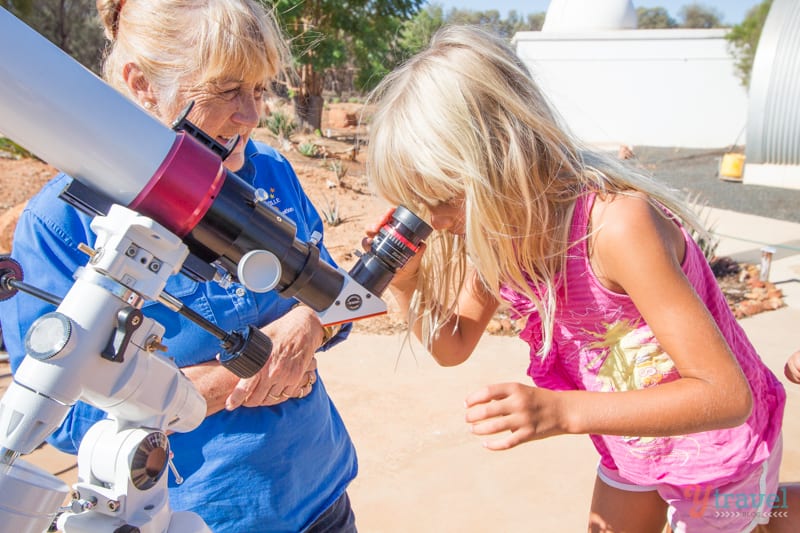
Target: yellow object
(732,166)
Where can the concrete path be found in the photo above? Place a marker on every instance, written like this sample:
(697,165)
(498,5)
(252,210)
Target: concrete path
(422,471)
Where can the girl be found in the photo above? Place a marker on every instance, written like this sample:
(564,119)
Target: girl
(632,341)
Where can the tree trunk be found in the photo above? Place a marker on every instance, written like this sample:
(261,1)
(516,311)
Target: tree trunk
(309,111)
(308,101)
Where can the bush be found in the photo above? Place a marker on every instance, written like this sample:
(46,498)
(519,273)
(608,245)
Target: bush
(13,149)
(308,149)
(743,39)
(330,213)
(280,124)
(339,169)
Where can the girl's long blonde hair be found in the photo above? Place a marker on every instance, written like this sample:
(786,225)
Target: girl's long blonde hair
(465,119)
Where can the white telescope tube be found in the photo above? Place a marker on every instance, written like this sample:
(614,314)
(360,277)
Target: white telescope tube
(59,110)
(62,112)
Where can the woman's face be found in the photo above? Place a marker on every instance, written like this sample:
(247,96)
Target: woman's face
(224,108)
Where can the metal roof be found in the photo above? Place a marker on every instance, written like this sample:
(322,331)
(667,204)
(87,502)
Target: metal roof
(773,122)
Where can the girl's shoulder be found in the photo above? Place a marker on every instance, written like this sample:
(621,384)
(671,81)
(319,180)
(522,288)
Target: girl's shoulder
(609,207)
(624,229)
(629,216)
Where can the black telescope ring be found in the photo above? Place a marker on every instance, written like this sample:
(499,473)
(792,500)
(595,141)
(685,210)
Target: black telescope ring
(10,271)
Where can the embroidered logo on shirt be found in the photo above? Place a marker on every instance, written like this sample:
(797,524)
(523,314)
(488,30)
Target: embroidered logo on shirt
(273,201)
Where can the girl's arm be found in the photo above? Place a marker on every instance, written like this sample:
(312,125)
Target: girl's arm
(634,250)
(462,331)
(460,334)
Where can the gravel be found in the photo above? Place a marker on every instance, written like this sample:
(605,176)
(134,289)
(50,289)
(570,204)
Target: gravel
(697,173)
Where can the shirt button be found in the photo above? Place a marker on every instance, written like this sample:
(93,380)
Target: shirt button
(240,292)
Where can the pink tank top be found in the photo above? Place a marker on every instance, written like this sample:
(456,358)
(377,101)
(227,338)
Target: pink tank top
(601,343)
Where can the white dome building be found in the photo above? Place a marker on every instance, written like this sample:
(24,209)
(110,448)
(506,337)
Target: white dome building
(583,15)
(616,84)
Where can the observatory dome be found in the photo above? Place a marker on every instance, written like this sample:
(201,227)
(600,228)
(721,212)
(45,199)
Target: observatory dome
(583,15)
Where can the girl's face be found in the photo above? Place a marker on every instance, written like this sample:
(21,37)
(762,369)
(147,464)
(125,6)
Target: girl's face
(449,216)
(224,108)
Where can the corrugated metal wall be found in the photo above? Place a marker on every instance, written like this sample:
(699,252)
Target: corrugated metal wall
(773,121)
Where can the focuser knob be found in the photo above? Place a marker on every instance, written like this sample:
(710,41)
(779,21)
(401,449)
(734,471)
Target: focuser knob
(245,353)
(10,272)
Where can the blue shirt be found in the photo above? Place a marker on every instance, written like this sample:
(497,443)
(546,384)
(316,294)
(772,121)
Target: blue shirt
(252,469)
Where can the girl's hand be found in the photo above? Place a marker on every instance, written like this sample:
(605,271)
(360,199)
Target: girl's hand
(792,368)
(290,371)
(529,413)
(406,275)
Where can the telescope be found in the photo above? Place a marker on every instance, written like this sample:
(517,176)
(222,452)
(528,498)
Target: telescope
(163,203)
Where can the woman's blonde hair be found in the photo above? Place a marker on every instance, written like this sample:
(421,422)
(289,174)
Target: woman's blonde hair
(173,41)
(464,120)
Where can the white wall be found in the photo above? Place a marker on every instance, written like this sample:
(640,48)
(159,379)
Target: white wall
(641,87)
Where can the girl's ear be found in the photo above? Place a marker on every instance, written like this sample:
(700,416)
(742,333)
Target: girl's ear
(139,86)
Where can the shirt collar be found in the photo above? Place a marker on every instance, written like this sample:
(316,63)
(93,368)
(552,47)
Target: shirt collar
(247,172)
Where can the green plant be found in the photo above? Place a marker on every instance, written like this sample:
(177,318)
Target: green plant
(743,39)
(280,124)
(706,240)
(339,169)
(325,35)
(13,150)
(330,213)
(308,149)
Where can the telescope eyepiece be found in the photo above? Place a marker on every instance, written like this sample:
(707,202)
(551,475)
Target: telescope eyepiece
(396,242)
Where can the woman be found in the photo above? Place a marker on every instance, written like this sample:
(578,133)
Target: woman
(273,453)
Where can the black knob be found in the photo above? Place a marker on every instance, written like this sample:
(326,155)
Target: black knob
(10,272)
(246,353)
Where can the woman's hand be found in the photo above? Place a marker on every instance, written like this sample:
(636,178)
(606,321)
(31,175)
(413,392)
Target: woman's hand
(406,276)
(529,413)
(290,371)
